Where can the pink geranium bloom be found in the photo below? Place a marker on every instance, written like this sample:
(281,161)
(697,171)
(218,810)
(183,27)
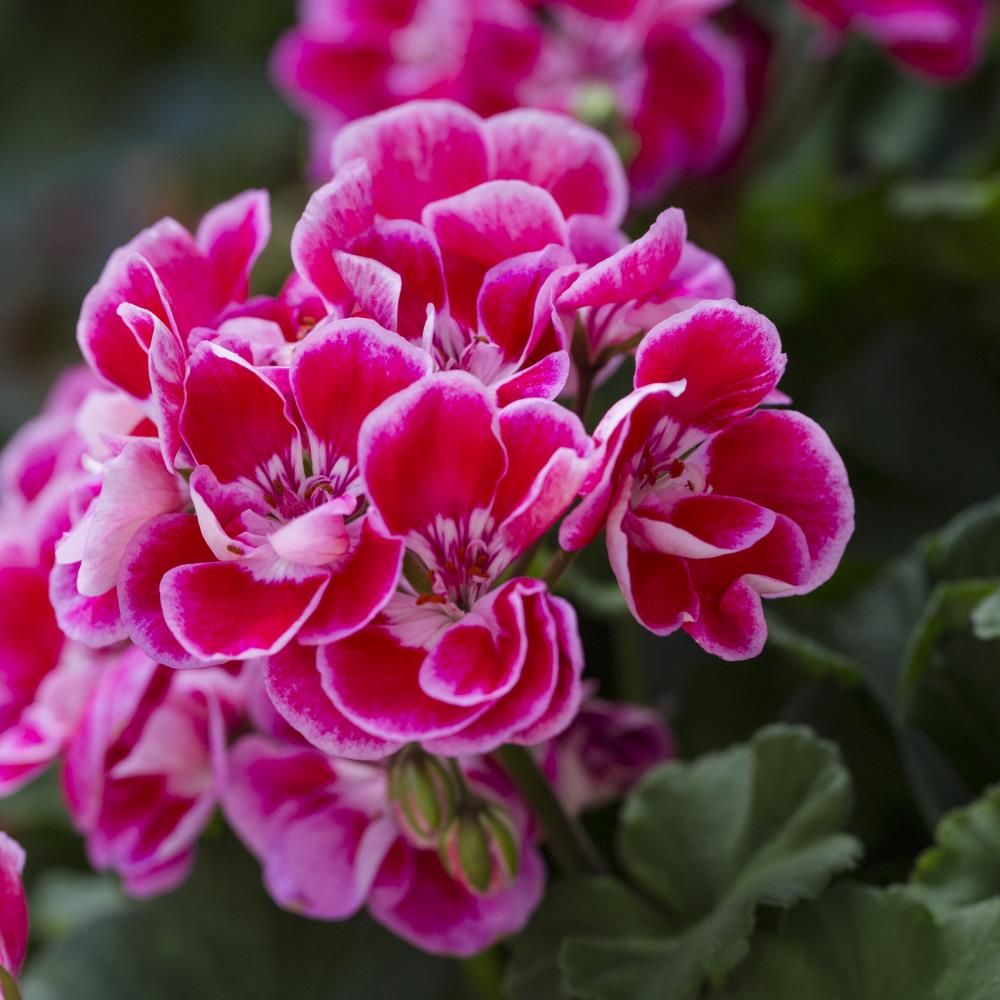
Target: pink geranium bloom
(481,240)
(710,504)
(346,59)
(942,39)
(329,844)
(186,281)
(454,664)
(13,907)
(606,750)
(279,544)
(138,775)
(44,677)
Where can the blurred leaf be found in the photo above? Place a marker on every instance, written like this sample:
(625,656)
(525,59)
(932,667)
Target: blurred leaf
(810,655)
(963,868)
(707,841)
(63,900)
(986,617)
(219,937)
(871,944)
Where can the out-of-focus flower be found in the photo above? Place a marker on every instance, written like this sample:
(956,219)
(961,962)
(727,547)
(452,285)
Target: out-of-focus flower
(138,776)
(710,504)
(461,668)
(606,750)
(329,844)
(13,907)
(942,39)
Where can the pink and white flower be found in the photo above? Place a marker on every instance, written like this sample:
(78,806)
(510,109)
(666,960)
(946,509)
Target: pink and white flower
(329,844)
(482,239)
(709,503)
(138,776)
(279,544)
(940,39)
(450,662)
(606,750)
(13,907)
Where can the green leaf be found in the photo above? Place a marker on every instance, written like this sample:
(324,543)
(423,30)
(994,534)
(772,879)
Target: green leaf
(220,937)
(963,868)
(860,943)
(810,656)
(707,842)
(758,823)
(969,546)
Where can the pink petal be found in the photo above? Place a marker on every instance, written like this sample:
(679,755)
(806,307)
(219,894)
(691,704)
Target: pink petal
(548,457)
(94,621)
(374,680)
(13,906)
(232,236)
(234,420)
(166,542)
(335,214)
(635,272)
(785,462)
(341,372)
(729,355)
(408,249)
(593,239)
(374,288)
(360,585)
(430,452)
(576,164)
(136,488)
(294,687)
(545,379)
(459,923)
(222,611)
(317,537)
(657,587)
(418,153)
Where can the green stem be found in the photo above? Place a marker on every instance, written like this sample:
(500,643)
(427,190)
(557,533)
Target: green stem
(567,840)
(8,987)
(558,565)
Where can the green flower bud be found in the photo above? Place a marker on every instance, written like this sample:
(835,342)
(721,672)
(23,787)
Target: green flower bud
(423,795)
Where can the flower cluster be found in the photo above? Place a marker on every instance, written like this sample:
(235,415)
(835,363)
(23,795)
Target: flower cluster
(274,552)
(671,82)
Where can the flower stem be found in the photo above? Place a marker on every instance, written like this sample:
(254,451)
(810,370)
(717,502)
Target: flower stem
(8,986)
(567,840)
(558,565)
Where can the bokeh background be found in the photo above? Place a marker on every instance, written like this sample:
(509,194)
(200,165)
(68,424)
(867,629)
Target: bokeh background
(866,224)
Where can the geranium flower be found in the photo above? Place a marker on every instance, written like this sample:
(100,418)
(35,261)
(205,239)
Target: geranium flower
(941,39)
(138,775)
(709,503)
(452,663)
(329,844)
(279,543)
(481,239)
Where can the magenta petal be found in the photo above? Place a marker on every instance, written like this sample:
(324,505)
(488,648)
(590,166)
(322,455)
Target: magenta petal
(374,287)
(576,164)
(543,380)
(374,680)
(222,611)
(700,526)
(360,585)
(418,153)
(637,271)
(729,355)
(785,462)
(94,621)
(232,237)
(341,372)
(658,589)
(548,457)
(293,685)
(334,215)
(459,923)
(13,906)
(166,542)
(430,452)
(234,420)
(408,249)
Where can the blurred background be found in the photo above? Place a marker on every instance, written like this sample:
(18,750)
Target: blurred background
(867,227)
